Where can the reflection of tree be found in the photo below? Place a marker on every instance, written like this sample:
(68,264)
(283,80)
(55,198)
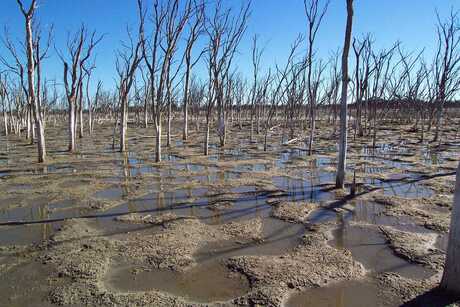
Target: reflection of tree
(341,298)
(341,231)
(43,214)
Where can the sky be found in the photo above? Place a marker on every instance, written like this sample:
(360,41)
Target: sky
(277,22)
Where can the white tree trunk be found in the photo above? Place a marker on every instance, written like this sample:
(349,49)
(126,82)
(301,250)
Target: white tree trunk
(206,140)
(158,141)
(5,122)
(451,277)
(221,130)
(75,120)
(41,140)
(32,128)
(186,95)
(29,127)
(72,127)
(185,131)
(146,114)
(90,120)
(80,115)
(340,180)
(168,142)
(123,124)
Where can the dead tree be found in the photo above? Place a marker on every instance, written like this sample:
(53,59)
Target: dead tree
(33,61)
(168,23)
(382,68)
(195,30)
(145,95)
(315,15)
(283,82)
(170,98)
(127,62)
(451,277)
(79,48)
(256,57)
(240,96)
(197,97)
(342,155)
(430,97)
(3,99)
(224,33)
(333,89)
(362,52)
(91,106)
(446,65)
(413,75)
(150,57)
(25,114)
(80,96)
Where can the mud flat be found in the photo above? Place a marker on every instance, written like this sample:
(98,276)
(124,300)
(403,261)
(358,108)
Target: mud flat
(238,228)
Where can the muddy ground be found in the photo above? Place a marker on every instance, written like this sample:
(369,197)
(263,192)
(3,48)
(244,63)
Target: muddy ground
(241,227)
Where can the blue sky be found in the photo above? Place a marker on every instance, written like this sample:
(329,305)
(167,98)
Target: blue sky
(277,22)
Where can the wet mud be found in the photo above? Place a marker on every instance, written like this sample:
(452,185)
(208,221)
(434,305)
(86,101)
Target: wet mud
(239,227)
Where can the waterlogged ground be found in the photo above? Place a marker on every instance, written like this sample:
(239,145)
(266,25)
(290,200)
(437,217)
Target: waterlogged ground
(239,227)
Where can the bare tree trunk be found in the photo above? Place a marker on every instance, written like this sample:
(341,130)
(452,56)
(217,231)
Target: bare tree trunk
(206,139)
(72,127)
(114,131)
(439,112)
(35,105)
(340,180)
(451,277)
(29,126)
(158,141)
(186,98)
(146,113)
(312,129)
(265,139)
(222,130)
(315,16)
(76,120)
(123,123)
(80,111)
(422,125)
(32,129)
(258,120)
(168,141)
(5,122)
(90,120)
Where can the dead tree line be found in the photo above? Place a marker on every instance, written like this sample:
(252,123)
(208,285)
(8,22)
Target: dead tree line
(157,76)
